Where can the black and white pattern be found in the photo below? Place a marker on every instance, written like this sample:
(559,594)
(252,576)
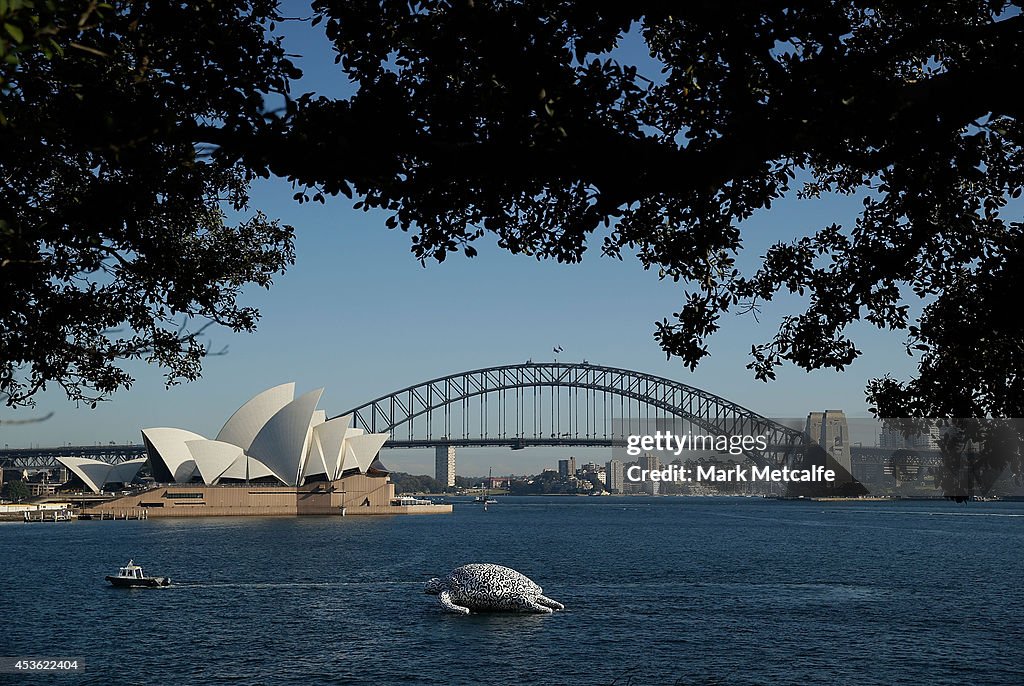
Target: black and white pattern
(490,588)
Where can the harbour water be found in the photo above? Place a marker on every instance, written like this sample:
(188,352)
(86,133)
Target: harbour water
(658,591)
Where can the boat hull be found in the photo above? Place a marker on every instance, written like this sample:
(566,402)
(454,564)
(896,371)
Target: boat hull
(145,582)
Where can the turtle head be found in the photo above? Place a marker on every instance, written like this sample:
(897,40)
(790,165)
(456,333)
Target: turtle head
(434,586)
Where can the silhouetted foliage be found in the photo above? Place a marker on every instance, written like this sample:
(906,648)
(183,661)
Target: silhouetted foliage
(976,454)
(519,120)
(115,239)
(511,118)
(981,457)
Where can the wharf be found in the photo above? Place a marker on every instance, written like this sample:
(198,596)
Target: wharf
(125,514)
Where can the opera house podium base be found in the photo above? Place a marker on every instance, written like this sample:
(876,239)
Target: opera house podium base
(358,494)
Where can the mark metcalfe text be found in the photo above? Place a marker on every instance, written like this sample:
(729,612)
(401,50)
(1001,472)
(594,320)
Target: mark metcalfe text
(737,473)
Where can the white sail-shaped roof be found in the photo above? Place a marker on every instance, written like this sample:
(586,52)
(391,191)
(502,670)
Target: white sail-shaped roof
(246,468)
(365,448)
(270,435)
(125,472)
(283,441)
(313,462)
(348,459)
(237,469)
(348,455)
(258,470)
(93,473)
(96,474)
(314,458)
(330,436)
(249,419)
(213,458)
(168,453)
(185,472)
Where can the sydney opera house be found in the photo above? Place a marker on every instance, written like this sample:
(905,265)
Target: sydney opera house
(277,454)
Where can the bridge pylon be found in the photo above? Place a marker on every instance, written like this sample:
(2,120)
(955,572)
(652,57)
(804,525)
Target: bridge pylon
(444,464)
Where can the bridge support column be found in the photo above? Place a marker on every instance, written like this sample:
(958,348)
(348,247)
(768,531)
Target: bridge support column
(444,464)
(830,430)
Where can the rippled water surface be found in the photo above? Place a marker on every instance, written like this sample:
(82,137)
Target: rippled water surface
(658,591)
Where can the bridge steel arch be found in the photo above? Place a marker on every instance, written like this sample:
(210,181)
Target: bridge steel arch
(46,458)
(421,415)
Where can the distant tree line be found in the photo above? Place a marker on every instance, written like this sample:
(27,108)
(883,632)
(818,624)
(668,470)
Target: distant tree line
(410,483)
(468,481)
(548,483)
(15,490)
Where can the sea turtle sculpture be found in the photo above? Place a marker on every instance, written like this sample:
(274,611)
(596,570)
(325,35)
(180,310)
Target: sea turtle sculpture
(490,588)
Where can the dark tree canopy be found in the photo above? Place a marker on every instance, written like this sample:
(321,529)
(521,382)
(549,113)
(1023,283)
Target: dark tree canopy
(114,238)
(515,119)
(516,122)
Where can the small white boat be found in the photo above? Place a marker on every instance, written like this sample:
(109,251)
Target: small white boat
(131,576)
(486,498)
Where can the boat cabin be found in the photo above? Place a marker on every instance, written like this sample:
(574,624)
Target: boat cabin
(130,571)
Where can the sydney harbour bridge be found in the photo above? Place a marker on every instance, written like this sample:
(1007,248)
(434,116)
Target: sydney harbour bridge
(525,405)
(555,404)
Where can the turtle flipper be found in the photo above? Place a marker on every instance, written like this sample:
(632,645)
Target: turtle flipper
(445,598)
(548,602)
(525,605)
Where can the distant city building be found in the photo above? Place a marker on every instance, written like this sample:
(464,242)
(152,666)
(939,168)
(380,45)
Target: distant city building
(630,487)
(40,483)
(615,473)
(39,488)
(892,436)
(444,465)
(13,475)
(496,482)
(649,463)
(567,468)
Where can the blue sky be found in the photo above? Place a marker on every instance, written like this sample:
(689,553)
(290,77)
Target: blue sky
(360,316)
